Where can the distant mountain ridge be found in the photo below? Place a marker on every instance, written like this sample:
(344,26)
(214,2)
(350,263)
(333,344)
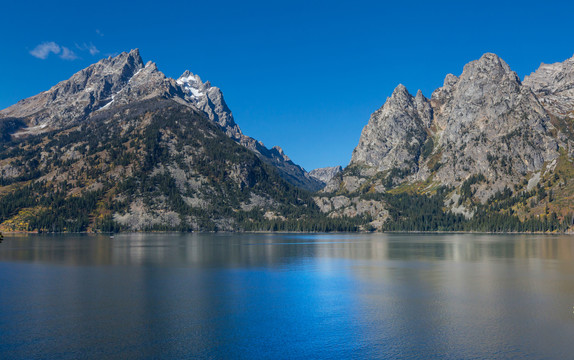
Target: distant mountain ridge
(326,174)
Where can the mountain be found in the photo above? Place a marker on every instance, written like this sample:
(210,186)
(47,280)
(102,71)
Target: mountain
(120,146)
(482,137)
(123,79)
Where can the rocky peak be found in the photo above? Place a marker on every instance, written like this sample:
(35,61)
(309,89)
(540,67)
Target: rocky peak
(553,84)
(108,75)
(192,84)
(487,85)
(147,82)
(487,111)
(399,97)
(400,92)
(111,81)
(280,153)
(394,133)
(443,94)
(489,65)
(126,60)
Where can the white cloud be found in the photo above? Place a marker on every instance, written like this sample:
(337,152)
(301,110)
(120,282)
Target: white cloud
(68,54)
(91,48)
(43,50)
(99,32)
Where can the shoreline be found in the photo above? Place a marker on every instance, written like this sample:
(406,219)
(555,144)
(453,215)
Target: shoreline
(287,232)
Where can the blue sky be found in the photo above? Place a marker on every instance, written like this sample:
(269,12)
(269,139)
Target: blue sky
(304,75)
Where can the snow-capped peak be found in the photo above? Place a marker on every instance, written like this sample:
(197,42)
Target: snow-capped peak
(192,84)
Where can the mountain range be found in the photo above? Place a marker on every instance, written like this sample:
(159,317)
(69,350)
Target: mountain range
(120,146)
(494,145)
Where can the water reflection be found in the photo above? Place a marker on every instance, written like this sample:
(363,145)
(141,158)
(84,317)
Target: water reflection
(287,296)
(274,249)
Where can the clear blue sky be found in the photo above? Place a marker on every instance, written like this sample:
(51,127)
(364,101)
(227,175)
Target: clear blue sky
(304,75)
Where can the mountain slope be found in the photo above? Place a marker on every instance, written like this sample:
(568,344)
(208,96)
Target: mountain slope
(153,164)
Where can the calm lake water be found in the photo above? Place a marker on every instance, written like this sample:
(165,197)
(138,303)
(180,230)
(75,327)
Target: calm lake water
(283,296)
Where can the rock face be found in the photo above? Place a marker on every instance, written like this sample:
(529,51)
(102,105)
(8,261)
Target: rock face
(480,133)
(553,84)
(325,174)
(488,123)
(395,133)
(121,80)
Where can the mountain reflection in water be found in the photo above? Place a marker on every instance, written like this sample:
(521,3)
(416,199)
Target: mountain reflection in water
(275,249)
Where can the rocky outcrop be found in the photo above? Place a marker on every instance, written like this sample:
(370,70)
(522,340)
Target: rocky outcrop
(344,206)
(482,122)
(325,174)
(553,84)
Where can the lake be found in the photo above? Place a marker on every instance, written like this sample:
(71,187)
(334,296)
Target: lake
(285,296)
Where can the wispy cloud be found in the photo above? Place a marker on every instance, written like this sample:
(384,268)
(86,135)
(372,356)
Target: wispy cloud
(98,31)
(68,54)
(44,50)
(91,48)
